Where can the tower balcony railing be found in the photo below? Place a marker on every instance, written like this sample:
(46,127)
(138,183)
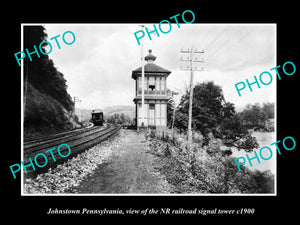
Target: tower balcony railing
(152,92)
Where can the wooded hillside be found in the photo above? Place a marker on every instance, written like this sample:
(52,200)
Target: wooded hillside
(46,101)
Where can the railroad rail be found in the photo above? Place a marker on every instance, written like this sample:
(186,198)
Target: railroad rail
(79,141)
(31,140)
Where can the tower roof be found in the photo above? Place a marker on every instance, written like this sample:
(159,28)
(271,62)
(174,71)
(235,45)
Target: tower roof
(150,57)
(150,68)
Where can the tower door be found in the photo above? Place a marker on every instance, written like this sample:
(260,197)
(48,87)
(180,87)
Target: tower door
(151,115)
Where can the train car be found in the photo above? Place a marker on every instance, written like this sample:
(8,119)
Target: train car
(97,117)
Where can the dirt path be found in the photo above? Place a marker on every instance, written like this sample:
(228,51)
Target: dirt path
(130,170)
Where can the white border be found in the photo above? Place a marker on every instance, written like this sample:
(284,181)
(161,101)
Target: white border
(137,194)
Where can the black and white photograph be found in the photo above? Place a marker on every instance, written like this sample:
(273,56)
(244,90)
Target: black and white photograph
(144,110)
(109,112)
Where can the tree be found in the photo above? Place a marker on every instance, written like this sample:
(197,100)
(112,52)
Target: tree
(45,91)
(122,118)
(235,134)
(268,109)
(41,72)
(118,118)
(212,114)
(254,116)
(207,106)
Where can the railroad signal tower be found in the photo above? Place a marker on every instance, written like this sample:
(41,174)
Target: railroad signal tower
(151,94)
(192,60)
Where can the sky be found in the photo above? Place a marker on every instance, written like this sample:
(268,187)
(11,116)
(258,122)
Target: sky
(98,65)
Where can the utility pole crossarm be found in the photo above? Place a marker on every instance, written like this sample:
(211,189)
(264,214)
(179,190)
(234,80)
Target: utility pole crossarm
(202,51)
(189,69)
(189,51)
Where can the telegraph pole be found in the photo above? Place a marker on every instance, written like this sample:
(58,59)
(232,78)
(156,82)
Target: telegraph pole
(76,99)
(191,68)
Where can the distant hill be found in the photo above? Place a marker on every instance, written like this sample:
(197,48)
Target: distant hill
(108,111)
(126,109)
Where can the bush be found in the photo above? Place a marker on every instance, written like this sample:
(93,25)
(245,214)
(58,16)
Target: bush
(43,114)
(206,169)
(219,175)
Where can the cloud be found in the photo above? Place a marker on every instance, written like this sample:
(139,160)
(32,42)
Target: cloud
(99,64)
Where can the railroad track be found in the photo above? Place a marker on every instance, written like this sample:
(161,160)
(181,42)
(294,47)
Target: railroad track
(78,141)
(28,141)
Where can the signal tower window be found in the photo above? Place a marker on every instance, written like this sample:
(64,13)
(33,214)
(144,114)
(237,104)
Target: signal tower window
(152,87)
(151,83)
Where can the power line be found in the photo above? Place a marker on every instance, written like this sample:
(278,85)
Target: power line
(217,37)
(234,44)
(205,35)
(189,36)
(223,45)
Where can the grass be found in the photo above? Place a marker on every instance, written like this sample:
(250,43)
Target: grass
(205,169)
